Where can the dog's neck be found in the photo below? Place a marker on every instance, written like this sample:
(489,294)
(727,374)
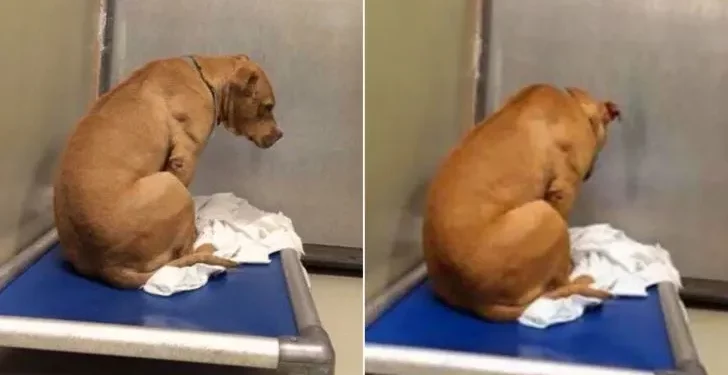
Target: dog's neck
(216,72)
(215,93)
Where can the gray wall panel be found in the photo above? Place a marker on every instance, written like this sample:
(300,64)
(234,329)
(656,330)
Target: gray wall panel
(420,69)
(662,177)
(47,80)
(312,52)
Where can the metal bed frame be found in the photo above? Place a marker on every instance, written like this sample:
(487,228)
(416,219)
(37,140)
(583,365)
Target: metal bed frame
(310,352)
(402,360)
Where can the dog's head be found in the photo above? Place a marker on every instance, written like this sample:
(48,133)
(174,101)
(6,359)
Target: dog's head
(248,104)
(600,114)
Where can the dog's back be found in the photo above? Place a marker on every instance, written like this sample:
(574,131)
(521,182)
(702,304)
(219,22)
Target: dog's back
(501,163)
(118,142)
(491,242)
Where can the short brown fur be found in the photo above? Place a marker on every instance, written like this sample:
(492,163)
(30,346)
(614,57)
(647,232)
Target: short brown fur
(121,204)
(495,233)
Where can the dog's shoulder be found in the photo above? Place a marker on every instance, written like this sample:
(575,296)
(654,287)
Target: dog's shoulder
(534,92)
(156,75)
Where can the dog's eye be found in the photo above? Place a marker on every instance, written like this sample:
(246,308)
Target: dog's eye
(265,109)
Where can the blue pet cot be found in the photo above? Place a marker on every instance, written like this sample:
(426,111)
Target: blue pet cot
(259,316)
(410,331)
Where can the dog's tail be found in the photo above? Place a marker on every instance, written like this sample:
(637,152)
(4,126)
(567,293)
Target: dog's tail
(206,258)
(579,286)
(205,253)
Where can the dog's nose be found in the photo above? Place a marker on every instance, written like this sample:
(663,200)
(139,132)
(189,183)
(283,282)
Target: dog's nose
(272,138)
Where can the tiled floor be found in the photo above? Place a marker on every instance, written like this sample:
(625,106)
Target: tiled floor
(339,300)
(710,332)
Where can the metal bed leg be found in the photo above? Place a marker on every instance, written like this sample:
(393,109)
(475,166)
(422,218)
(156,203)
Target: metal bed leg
(687,361)
(311,352)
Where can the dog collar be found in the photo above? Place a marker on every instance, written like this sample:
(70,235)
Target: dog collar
(215,104)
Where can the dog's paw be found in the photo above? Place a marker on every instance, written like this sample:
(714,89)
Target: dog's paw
(554,196)
(176,164)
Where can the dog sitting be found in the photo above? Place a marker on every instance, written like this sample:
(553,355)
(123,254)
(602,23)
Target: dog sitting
(121,204)
(495,233)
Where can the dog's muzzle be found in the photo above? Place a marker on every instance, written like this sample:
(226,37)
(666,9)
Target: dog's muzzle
(270,139)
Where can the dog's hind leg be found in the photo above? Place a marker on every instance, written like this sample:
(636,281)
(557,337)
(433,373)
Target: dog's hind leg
(501,313)
(508,265)
(160,215)
(125,278)
(579,286)
(561,287)
(520,257)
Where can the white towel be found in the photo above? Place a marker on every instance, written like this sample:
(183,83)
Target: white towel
(617,263)
(238,231)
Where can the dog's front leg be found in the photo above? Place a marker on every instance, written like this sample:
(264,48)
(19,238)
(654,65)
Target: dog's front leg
(561,197)
(182,159)
(561,191)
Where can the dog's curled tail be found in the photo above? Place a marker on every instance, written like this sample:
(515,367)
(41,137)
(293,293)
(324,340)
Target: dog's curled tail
(579,286)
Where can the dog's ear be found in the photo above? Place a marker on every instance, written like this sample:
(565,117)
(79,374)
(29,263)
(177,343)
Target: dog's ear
(242,57)
(245,78)
(612,112)
(598,112)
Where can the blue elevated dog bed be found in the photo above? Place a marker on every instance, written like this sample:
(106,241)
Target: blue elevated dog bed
(253,316)
(411,330)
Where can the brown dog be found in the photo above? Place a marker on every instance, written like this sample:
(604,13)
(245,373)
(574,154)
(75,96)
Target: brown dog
(121,202)
(495,233)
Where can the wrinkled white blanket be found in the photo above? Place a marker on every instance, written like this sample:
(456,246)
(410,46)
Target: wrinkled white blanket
(238,231)
(617,263)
